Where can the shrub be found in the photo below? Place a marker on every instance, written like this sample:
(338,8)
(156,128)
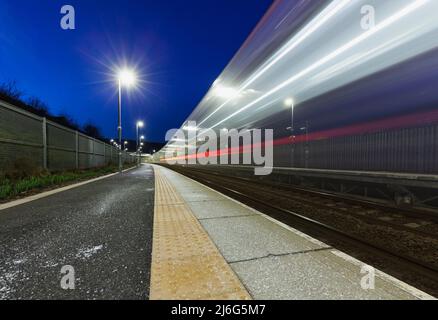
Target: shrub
(22,168)
(17,182)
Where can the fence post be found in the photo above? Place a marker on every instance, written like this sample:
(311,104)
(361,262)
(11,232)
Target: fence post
(45,143)
(77,150)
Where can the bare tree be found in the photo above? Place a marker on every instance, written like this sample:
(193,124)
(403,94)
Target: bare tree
(38,107)
(67,121)
(92,131)
(10,90)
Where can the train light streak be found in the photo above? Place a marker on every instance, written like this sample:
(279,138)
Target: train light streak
(319,80)
(190,128)
(360,129)
(225,92)
(379,27)
(331,10)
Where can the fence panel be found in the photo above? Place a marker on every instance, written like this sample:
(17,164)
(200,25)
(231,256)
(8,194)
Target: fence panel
(20,136)
(61,147)
(99,153)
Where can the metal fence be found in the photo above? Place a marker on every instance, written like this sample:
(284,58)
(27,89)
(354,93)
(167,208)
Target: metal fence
(49,145)
(408,150)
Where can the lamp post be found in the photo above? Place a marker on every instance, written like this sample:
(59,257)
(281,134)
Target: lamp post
(141,145)
(125,78)
(307,146)
(290,103)
(140,124)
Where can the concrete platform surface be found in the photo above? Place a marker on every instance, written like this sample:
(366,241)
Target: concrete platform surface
(275,261)
(186,265)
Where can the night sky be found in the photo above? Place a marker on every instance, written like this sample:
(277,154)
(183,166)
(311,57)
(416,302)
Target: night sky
(179,48)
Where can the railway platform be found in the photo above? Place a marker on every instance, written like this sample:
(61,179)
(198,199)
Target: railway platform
(209,246)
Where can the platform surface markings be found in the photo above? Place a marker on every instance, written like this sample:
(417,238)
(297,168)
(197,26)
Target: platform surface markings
(185,262)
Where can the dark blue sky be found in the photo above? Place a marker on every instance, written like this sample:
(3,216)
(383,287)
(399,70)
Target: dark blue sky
(179,46)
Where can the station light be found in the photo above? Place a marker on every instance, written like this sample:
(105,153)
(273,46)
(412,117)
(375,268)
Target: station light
(189,128)
(140,124)
(289,102)
(224,92)
(127,77)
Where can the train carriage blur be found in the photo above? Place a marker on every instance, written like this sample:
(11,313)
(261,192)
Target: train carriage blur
(365,99)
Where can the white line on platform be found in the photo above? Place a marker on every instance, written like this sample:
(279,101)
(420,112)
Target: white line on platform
(396,282)
(55,191)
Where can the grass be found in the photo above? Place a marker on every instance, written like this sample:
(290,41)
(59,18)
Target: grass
(15,188)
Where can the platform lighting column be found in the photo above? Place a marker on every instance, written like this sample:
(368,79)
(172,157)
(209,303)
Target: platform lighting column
(119,127)
(139,125)
(141,145)
(290,103)
(307,147)
(126,78)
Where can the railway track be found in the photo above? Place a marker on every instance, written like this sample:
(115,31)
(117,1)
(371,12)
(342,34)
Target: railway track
(414,221)
(352,226)
(420,223)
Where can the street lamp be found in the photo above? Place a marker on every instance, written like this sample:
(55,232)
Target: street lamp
(126,78)
(140,124)
(307,150)
(290,103)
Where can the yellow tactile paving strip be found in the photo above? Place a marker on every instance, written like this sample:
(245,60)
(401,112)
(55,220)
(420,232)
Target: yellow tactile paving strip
(186,265)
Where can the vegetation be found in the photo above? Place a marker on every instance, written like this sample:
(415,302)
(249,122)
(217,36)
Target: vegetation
(13,185)
(22,177)
(92,131)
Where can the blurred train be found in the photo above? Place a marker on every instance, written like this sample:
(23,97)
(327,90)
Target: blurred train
(345,84)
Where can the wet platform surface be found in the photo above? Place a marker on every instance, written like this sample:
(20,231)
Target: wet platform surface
(101,230)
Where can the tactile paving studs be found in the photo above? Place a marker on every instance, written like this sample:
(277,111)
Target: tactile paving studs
(185,262)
